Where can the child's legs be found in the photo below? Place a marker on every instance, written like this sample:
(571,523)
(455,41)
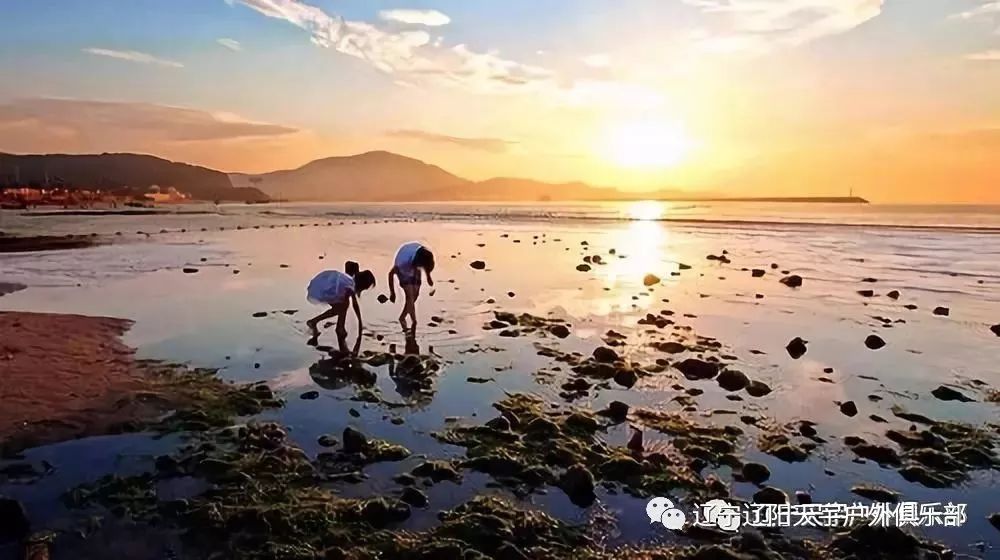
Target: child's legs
(341,311)
(412,292)
(322,316)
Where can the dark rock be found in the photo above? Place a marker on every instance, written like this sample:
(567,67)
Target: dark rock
(996,329)
(770,495)
(14,524)
(190,270)
(500,423)
(893,294)
(848,408)
(436,471)
(626,377)
(260,314)
(650,280)
(695,369)
(942,311)
(874,342)
(605,355)
(922,475)
(881,454)
(309,395)
(758,388)
(732,380)
(620,468)
(789,453)
(617,411)
(670,347)
(756,473)
(796,348)
(946,393)
(381,512)
(866,293)
(327,441)
(578,483)
(875,493)
(994,520)
(559,331)
(758,272)
(478,265)
(583,267)
(803,497)
(354,441)
(793,281)
(413,497)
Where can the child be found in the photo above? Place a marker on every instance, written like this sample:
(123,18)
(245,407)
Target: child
(336,289)
(410,260)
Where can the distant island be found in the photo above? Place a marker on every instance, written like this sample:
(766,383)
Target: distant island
(376,176)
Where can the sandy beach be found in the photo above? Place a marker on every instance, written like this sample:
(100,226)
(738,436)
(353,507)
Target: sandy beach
(874,376)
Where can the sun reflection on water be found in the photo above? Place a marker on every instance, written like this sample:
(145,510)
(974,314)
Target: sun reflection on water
(646,210)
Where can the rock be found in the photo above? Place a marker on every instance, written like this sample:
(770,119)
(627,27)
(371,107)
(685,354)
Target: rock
(770,495)
(559,331)
(758,389)
(626,377)
(354,441)
(793,281)
(756,473)
(874,342)
(583,267)
(875,493)
(848,408)
(382,298)
(478,265)
(732,380)
(605,355)
(994,520)
(758,272)
(696,369)
(945,393)
(260,314)
(436,471)
(327,441)
(942,311)
(617,411)
(789,453)
(650,280)
(190,270)
(921,475)
(620,468)
(881,454)
(413,497)
(500,423)
(866,293)
(309,395)
(894,294)
(996,329)
(803,497)
(796,348)
(14,524)
(381,512)
(578,483)
(682,266)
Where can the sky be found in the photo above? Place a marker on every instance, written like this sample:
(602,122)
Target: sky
(895,100)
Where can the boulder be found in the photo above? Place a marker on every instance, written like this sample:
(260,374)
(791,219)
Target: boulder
(583,267)
(695,369)
(732,380)
(874,342)
(617,411)
(942,311)
(626,377)
(309,395)
(793,281)
(946,393)
(650,280)
(875,493)
(605,355)
(758,388)
(894,294)
(848,408)
(559,331)
(796,348)
(478,265)
(413,497)
(770,495)
(756,473)
(578,483)
(757,272)
(996,329)
(354,441)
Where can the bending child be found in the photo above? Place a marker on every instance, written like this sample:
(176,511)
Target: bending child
(337,289)
(411,259)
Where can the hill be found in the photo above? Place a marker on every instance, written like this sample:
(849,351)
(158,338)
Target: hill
(117,171)
(369,177)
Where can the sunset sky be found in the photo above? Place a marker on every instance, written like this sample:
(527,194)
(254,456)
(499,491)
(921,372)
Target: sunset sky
(899,99)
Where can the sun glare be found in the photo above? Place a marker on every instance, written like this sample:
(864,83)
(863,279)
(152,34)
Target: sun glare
(648,144)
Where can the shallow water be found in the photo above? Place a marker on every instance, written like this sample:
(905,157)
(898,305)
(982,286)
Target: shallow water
(205,319)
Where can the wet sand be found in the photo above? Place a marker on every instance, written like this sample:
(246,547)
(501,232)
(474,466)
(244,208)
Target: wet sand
(241,309)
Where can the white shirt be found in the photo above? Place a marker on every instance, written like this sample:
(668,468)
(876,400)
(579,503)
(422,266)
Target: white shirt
(404,259)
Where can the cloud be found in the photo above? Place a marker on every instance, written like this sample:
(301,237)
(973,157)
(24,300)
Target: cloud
(495,145)
(597,60)
(133,56)
(993,55)
(758,26)
(981,11)
(430,18)
(231,44)
(410,53)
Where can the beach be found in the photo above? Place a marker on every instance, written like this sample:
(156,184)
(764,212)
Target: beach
(684,314)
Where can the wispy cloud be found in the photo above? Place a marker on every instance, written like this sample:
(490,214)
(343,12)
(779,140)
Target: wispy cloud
(597,60)
(407,52)
(762,25)
(430,18)
(993,55)
(133,56)
(495,145)
(986,9)
(231,44)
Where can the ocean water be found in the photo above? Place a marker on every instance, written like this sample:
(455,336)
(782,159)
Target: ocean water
(934,256)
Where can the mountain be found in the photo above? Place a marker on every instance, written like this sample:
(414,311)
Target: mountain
(370,177)
(117,171)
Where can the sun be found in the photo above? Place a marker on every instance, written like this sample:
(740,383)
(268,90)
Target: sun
(648,144)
